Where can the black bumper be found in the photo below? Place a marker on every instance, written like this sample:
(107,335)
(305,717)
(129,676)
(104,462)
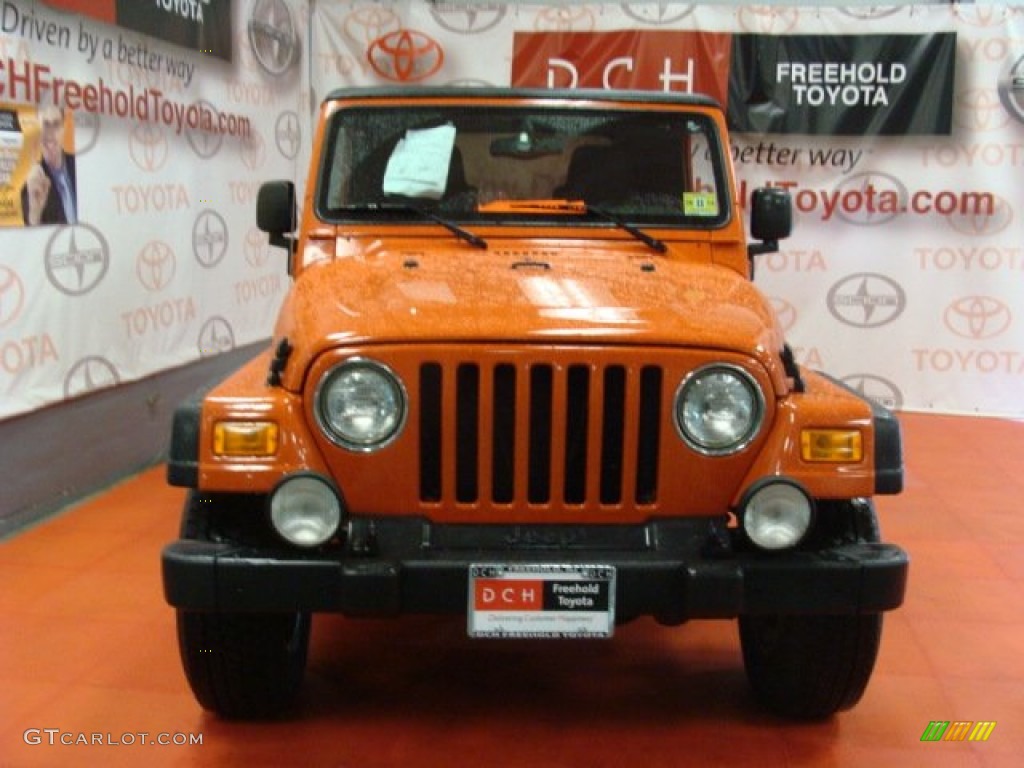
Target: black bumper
(670,585)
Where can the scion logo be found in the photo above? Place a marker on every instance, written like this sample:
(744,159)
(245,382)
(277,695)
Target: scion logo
(977,317)
(564,19)
(866,300)
(767,20)
(288,134)
(785,312)
(272,36)
(155,265)
(253,151)
(147,145)
(77,259)
(657,14)
(1011,89)
(871,198)
(209,238)
(90,374)
(869,12)
(205,144)
(980,110)
(12,296)
(87,131)
(983,224)
(216,337)
(873,387)
(257,248)
(405,56)
(369,23)
(468,19)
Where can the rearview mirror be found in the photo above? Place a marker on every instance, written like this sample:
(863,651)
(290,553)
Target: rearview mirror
(771,220)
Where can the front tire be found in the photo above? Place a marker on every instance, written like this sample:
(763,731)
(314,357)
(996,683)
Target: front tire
(239,665)
(810,667)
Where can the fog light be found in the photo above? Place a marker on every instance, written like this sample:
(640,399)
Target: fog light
(831,445)
(777,515)
(305,510)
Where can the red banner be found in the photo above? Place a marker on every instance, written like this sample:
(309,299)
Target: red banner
(650,60)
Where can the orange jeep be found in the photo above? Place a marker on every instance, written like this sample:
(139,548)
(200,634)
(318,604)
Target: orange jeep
(523,375)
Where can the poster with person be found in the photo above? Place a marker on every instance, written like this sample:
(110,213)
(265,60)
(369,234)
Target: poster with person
(38,177)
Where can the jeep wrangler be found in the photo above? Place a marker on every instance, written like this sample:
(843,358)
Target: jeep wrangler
(523,375)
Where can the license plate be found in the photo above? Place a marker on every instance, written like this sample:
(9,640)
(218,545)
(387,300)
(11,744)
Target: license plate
(541,600)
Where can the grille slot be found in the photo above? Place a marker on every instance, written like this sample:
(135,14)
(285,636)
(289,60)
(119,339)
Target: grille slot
(573,436)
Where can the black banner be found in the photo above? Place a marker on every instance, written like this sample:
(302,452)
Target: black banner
(202,25)
(842,85)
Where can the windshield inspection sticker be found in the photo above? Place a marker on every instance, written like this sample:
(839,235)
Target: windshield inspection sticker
(541,600)
(418,166)
(700,204)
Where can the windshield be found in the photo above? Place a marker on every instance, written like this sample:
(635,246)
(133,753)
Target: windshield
(489,164)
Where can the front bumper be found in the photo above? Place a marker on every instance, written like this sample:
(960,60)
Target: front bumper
(667,570)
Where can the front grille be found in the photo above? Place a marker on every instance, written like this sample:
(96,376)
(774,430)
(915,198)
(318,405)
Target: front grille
(538,433)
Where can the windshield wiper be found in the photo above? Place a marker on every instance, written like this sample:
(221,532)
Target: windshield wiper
(639,234)
(463,234)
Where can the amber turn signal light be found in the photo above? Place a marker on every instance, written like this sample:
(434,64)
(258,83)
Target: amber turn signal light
(833,445)
(245,438)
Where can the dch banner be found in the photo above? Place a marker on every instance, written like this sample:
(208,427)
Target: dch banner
(898,130)
(129,168)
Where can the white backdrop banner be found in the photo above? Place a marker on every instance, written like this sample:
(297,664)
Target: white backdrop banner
(905,274)
(149,258)
(903,277)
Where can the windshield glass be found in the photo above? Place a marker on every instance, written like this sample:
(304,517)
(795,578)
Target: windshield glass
(485,164)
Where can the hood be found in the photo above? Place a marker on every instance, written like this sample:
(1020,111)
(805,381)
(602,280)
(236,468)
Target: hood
(552,295)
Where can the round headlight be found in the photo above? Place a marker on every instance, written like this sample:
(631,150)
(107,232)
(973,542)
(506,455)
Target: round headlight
(718,409)
(305,510)
(360,405)
(777,515)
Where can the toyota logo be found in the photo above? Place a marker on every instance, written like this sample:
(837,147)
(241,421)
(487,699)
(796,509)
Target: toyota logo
(766,20)
(984,15)
(866,300)
(205,144)
(253,151)
(216,337)
(977,317)
(12,296)
(980,110)
(405,56)
(155,265)
(147,146)
(657,14)
(366,24)
(983,224)
(466,18)
(875,388)
(564,19)
(77,259)
(90,374)
(785,312)
(272,36)
(209,238)
(288,134)
(257,248)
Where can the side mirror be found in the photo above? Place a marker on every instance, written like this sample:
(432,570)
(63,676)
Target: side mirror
(275,212)
(771,220)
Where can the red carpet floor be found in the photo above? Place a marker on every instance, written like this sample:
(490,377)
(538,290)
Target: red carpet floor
(88,652)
